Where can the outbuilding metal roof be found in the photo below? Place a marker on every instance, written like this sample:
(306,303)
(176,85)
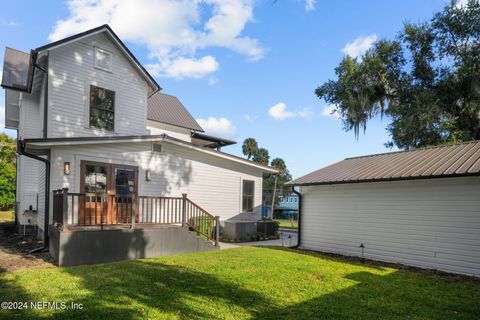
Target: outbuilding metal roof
(168,109)
(434,162)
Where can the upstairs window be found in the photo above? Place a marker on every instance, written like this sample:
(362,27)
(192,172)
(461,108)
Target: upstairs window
(247,195)
(103,59)
(102,108)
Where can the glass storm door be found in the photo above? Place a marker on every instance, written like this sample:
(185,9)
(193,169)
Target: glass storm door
(109,192)
(125,188)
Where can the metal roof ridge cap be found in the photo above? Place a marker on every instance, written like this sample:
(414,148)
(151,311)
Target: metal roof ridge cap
(412,150)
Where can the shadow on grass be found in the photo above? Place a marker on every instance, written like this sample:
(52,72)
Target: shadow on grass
(397,295)
(152,289)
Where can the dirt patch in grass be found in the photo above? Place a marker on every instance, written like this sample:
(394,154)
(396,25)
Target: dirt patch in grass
(15,248)
(6,217)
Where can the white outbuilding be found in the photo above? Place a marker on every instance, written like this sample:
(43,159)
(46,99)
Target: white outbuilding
(418,207)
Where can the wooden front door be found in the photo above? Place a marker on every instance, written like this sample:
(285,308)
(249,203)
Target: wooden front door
(109,190)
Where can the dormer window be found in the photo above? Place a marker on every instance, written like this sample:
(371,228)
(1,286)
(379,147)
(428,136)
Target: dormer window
(102,108)
(103,59)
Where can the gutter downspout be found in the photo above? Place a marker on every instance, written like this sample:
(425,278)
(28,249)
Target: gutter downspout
(21,150)
(45,100)
(299,232)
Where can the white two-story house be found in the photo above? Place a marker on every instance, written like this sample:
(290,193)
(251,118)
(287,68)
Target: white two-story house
(102,149)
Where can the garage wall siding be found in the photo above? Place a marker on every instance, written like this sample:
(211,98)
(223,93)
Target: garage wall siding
(431,223)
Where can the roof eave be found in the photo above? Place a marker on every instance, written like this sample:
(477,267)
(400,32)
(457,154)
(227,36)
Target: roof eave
(176,125)
(306,184)
(50,142)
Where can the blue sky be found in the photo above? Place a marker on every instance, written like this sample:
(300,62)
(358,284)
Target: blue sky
(244,68)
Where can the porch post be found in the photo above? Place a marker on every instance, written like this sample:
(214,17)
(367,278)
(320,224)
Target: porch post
(132,211)
(184,209)
(217,230)
(65,208)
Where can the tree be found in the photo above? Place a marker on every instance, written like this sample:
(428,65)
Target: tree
(7,185)
(250,147)
(261,156)
(426,81)
(272,183)
(7,172)
(279,179)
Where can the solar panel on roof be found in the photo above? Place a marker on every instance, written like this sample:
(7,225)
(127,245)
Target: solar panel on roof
(18,70)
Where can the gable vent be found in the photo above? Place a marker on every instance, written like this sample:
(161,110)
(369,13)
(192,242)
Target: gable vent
(103,59)
(156,147)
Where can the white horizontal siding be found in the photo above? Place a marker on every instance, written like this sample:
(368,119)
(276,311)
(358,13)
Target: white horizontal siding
(72,71)
(212,182)
(27,185)
(157,128)
(428,223)
(31,116)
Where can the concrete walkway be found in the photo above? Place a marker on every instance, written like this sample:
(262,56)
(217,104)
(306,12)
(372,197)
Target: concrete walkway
(288,238)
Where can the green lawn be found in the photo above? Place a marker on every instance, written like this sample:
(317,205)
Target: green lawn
(6,217)
(288,224)
(242,283)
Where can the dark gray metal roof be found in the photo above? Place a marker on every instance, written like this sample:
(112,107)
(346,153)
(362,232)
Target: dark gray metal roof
(215,142)
(435,162)
(168,109)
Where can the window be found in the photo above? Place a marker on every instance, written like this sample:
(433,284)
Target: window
(103,59)
(247,198)
(102,108)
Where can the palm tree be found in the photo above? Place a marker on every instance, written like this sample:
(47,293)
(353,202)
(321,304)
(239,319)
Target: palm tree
(250,147)
(261,156)
(279,164)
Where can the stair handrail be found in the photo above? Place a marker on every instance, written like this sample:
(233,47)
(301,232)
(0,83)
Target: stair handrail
(190,218)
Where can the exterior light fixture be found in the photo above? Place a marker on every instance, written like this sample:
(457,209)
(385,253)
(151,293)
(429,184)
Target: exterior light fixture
(66,168)
(147,175)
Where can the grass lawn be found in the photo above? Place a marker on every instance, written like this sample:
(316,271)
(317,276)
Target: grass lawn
(242,283)
(288,224)
(6,217)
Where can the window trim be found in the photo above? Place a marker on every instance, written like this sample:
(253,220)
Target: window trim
(95,64)
(102,109)
(252,196)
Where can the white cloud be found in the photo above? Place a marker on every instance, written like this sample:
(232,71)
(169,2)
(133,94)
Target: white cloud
(212,80)
(461,4)
(172,31)
(309,5)
(218,126)
(251,118)
(305,113)
(329,111)
(280,112)
(185,67)
(8,23)
(359,46)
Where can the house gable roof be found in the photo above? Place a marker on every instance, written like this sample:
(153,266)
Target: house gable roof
(109,32)
(168,109)
(452,160)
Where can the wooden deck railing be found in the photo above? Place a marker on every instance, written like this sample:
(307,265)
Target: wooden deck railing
(201,221)
(90,209)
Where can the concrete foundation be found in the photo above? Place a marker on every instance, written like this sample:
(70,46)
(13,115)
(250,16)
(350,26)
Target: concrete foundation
(70,248)
(241,230)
